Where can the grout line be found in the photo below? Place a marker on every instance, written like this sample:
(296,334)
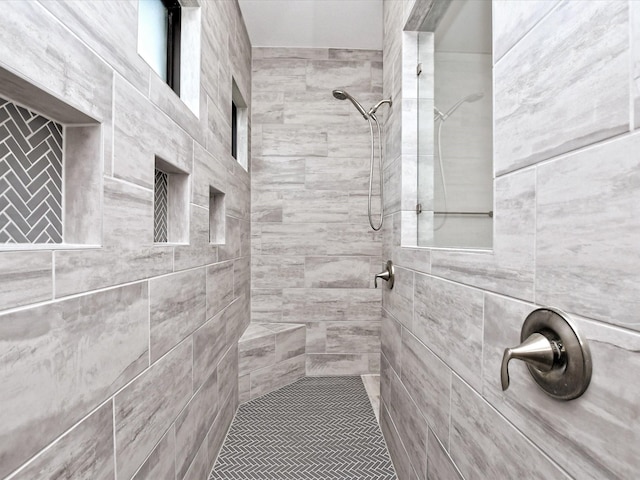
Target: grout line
(115,456)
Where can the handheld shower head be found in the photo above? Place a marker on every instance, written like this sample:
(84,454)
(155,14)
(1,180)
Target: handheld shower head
(474,97)
(343,95)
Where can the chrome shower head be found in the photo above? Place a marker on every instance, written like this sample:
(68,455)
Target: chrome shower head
(343,95)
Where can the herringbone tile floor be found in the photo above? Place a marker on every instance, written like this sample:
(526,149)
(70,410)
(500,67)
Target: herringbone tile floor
(318,428)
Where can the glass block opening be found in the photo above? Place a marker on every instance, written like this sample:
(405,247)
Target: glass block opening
(170,204)
(217,217)
(31,176)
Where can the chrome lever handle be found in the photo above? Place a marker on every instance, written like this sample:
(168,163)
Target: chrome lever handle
(537,350)
(387,275)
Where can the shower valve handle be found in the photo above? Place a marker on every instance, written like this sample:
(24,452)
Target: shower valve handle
(387,275)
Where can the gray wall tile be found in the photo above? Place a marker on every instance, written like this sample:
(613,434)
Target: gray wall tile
(439,463)
(428,381)
(25,277)
(177,304)
(336,272)
(79,335)
(401,461)
(219,287)
(146,407)
(451,314)
(584,436)
(194,422)
(580,267)
(532,121)
(86,451)
(278,375)
(485,445)
(161,464)
(336,364)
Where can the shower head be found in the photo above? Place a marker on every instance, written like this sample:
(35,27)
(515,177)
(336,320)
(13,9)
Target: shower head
(343,95)
(474,97)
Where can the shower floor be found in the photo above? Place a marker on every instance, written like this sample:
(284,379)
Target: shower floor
(316,428)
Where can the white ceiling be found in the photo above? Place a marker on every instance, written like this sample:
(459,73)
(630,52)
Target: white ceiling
(355,24)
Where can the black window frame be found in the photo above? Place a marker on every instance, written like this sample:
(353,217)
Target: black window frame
(234,130)
(174,30)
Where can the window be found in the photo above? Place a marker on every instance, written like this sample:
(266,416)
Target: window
(234,130)
(239,127)
(159,34)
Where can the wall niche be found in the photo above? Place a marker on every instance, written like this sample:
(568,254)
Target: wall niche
(50,170)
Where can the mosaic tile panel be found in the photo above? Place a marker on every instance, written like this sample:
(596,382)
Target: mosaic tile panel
(30,176)
(316,428)
(160,207)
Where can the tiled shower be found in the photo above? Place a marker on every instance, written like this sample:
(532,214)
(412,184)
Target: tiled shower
(136,251)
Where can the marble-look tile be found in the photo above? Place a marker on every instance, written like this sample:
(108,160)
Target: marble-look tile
(513,19)
(228,373)
(275,173)
(86,451)
(266,304)
(353,337)
(294,140)
(399,301)
(208,172)
(391,340)
(294,239)
(256,353)
(218,431)
(145,408)
(194,422)
(349,75)
(242,276)
(59,362)
(484,445)
(398,454)
(267,107)
(418,259)
(77,271)
(237,199)
(349,141)
(266,206)
(79,77)
(310,206)
(244,388)
(237,317)
(127,214)
(446,315)
(337,174)
(290,341)
(209,344)
(143,132)
(234,233)
(290,53)
(302,305)
(412,427)
(532,121)
(594,436)
(336,272)
(316,108)
(336,364)
(355,55)
(635,52)
(270,74)
(316,341)
(219,287)
(580,268)
(428,381)
(276,376)
(439,463)
(199,468)
(199,251)
(277,271)
(177,304)
(114,23)
(161,464)
(25,277)
(351,239)
(509,269)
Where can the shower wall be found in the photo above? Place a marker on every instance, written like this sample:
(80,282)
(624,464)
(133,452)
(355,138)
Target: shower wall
(567,191)
(313,252)
(120,359)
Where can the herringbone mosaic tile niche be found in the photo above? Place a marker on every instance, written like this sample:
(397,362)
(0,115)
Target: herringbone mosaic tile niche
(30,176)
